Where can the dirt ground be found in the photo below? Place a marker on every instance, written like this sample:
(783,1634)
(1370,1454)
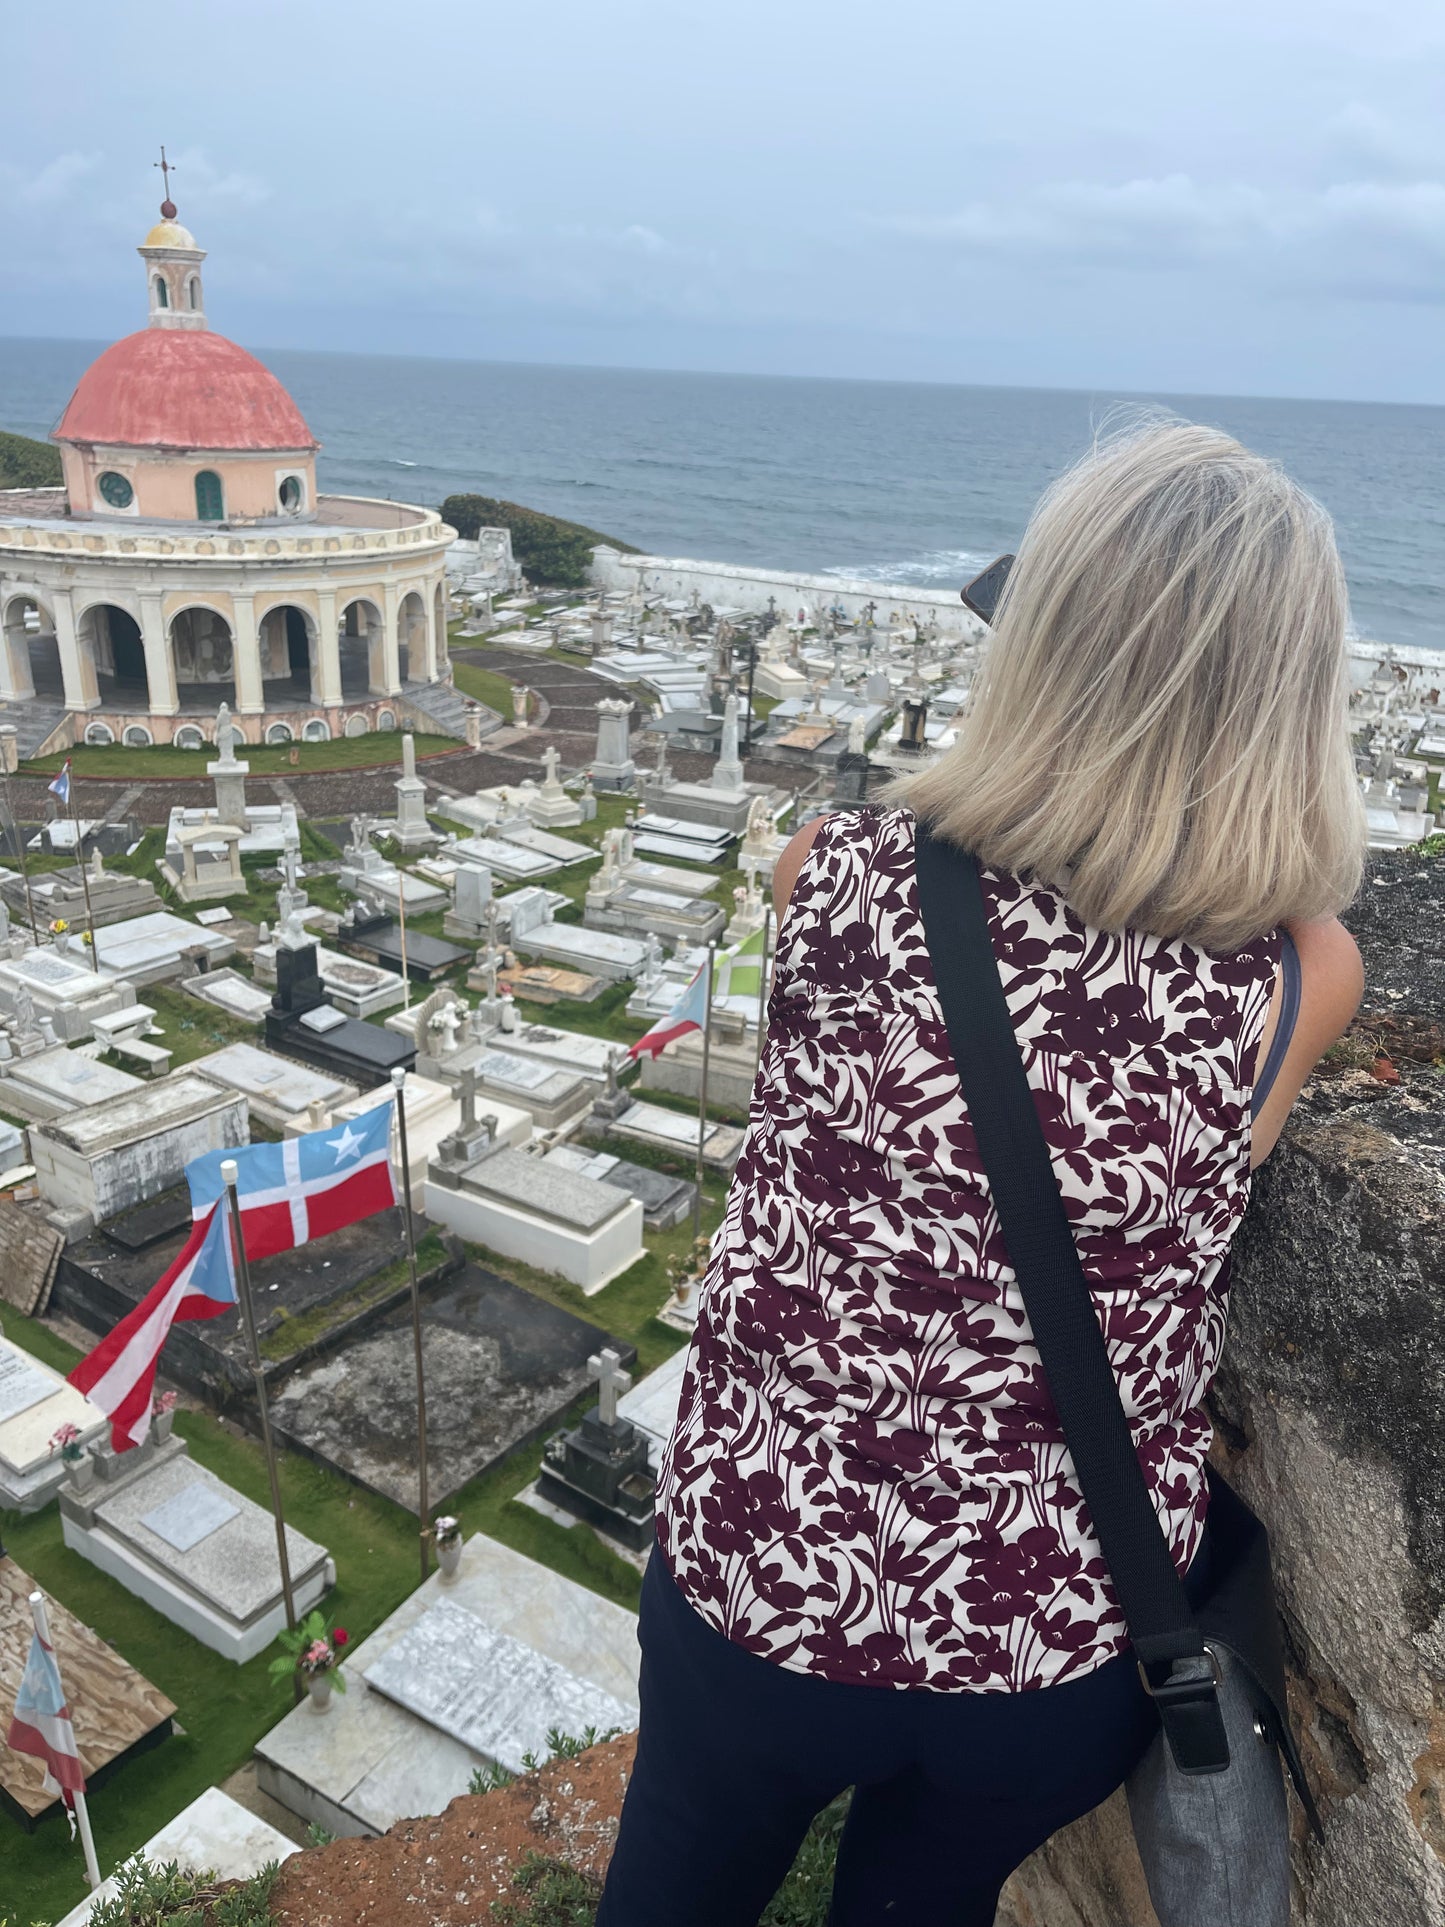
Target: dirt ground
(446,1871)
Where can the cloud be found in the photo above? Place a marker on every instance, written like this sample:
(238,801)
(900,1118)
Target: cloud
(51,183)
(1380,237)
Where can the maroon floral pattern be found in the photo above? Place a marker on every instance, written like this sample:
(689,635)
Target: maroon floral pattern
(867,1479)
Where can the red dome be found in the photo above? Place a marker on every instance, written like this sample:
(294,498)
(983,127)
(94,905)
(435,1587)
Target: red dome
(181,388)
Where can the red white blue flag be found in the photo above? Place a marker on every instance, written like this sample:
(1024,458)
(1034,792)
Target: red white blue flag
(688,1013)
(61,786)
(306,1186)
(41,1726)
(120,1374)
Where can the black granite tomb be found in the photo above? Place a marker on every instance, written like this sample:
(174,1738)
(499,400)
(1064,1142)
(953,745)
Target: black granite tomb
(599,1472)
(364,1054)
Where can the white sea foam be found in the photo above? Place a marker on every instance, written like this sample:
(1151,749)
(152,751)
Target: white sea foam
(924,571)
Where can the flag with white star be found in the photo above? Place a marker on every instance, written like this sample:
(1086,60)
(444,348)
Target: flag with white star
(305,1186)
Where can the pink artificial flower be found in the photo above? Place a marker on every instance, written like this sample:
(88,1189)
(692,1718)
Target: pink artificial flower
(318,1653)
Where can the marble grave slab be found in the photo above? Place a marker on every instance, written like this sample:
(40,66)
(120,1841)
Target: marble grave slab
(488,1690)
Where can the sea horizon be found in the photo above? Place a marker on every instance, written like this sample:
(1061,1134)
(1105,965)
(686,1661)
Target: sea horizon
(908,483)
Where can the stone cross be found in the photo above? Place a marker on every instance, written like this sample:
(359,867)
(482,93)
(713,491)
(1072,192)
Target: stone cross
(467,1094)
(289,864)
(551,761)
(606,1367)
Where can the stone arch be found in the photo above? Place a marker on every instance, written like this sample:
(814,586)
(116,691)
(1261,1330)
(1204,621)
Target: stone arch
(361,642)
(203,651)
(30,662)
(113,636)
(411,636)
(287,637)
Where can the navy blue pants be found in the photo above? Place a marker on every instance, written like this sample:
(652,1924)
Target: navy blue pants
(952,1790)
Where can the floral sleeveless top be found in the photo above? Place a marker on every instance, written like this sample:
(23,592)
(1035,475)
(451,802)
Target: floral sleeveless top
(867,1480)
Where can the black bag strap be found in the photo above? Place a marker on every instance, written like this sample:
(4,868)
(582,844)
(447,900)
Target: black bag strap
(1055,1291)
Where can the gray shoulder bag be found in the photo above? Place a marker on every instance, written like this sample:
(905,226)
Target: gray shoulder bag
(1207,1800)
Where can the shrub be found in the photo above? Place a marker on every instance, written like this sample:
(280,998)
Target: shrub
(147,1895)
(28,464)
(550,550)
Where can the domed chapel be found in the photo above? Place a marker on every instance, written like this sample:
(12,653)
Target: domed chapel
(191,560)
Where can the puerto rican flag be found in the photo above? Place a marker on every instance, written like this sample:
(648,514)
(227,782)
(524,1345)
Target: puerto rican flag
(688,1013)
(120,1374)
(61,786)
(41,1726)
(306,1186)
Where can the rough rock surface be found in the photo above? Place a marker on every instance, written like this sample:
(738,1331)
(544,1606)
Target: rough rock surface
(1331,1421)
(447,1871)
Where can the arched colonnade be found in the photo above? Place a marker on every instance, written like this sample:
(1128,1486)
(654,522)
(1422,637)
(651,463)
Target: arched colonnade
(255,652)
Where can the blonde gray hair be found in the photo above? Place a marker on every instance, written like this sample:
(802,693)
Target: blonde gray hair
(1160,724)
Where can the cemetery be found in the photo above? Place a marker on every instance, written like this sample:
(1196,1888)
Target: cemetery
(501,949)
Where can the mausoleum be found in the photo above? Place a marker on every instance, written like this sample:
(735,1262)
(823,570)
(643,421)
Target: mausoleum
(191,558)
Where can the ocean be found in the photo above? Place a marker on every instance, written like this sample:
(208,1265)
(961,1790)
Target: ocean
(901,482)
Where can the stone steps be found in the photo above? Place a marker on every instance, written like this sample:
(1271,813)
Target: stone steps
(447,709)
(34,723)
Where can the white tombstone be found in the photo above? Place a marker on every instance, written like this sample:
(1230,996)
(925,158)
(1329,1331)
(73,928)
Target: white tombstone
(613,767)
(413,832)
(728,770)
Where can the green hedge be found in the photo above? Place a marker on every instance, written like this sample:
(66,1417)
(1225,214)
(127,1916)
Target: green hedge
(553,552)
(28,464)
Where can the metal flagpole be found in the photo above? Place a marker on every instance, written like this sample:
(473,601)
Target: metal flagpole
(84,873)
(6,750)
(702,1090)
(248,1314)
(82,1814)
(398,1078)
(763,977)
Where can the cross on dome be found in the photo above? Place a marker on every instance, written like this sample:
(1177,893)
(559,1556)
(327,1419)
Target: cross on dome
(168,206)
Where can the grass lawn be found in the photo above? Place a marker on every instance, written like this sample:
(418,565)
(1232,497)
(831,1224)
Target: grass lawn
(485,685)
(114,761)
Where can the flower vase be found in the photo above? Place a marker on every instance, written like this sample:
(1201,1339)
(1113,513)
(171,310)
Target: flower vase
(318,1685)
(161,1423)
(82,1472)
(449,1556)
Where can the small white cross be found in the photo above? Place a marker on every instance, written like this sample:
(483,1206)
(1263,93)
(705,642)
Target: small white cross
(606,1367)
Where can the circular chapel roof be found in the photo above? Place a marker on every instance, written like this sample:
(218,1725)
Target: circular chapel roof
(181,388)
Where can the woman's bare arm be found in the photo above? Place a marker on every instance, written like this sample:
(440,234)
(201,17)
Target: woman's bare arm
(790,862)
(1332,980)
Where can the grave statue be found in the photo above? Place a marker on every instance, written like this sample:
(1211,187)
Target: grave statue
(652,964)
(227,734)
(858,737)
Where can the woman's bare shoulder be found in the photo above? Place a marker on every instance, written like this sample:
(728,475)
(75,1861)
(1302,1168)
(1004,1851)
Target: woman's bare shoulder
(795,855)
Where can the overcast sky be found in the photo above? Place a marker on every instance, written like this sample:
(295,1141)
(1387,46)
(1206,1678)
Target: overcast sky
(1243,196)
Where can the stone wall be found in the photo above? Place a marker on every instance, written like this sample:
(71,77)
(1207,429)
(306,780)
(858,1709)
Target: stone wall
(735,586)
(1330,1410)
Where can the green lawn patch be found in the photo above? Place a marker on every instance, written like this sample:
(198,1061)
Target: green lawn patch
(484,685)
(119,764)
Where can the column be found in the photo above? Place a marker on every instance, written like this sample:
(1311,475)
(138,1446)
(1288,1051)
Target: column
(326,669)
(376,629)
(16,679)
(246,656)
(391,639)
(160,658)
(77,664)
(429,659)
